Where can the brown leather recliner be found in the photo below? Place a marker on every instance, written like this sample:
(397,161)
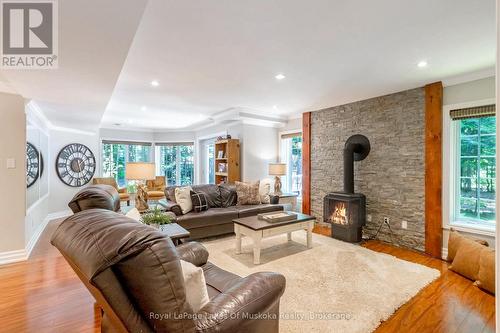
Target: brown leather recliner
(124,195)
(134,273)
(96,196)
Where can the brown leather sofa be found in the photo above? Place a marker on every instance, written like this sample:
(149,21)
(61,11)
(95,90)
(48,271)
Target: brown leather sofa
(134,273)
(218,219)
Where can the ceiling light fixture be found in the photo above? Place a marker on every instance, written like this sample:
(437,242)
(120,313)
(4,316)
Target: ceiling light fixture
(422,64)
(275,107)
(279,76)
(155,83)
(144,108)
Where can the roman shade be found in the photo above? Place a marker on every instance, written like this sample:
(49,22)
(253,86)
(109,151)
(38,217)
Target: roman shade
(473,112)
(291,135)
(174,144)
(128,143)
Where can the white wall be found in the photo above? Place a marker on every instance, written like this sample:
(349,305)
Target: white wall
(469,91)
(60,193)
(292,125)
(457,96)
(36,214)
(112,134)
(13,181)
(174,137)
(259,147)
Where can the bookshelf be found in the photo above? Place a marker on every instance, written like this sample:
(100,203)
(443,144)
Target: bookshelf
(227,161)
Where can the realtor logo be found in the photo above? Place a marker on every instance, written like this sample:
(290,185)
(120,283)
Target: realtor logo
(29,34)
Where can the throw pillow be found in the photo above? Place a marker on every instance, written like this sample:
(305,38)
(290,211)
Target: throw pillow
(486,275)
(196,287)
(134,214)
(264,190)
(454,242)
(466,261)
(199,200)
(183,198)
(248,193)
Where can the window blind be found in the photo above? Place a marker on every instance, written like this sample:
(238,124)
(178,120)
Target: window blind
(290,135)
(473,112)
(128,143)
(174,144)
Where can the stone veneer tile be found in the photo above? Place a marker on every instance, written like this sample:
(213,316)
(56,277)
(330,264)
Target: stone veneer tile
(391,177)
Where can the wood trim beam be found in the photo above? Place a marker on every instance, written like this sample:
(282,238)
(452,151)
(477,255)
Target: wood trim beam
(433,169)
(306,162)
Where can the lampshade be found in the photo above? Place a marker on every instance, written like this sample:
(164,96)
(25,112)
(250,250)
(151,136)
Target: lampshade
(277,169)
(140,171)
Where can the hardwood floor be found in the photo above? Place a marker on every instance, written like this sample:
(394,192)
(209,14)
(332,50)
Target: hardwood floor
(44,295)
(449,304)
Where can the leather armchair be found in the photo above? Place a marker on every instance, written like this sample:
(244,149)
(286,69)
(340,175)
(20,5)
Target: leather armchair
(106,249)
(124,195)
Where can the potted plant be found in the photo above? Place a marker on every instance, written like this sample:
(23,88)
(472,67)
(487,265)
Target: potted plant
(156,218)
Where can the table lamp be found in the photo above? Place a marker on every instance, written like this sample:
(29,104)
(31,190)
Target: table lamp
(277,170)
(140,172)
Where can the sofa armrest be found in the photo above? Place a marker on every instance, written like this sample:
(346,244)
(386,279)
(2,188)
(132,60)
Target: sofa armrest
(171,206)
(253,295)
(193,252)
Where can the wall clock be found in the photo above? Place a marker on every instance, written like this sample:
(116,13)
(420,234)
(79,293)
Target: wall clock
(34,164)
(75,165)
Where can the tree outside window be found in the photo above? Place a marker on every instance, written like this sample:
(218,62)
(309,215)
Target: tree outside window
(477,169)
(176,163)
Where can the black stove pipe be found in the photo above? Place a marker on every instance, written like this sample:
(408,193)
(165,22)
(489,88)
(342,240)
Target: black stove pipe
(349,150)
(356,148)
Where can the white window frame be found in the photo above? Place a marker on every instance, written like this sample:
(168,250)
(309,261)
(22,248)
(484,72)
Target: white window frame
(450,190)
(177,158)
(280,147)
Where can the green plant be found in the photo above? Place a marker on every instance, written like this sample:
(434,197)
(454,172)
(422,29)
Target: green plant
(156,216)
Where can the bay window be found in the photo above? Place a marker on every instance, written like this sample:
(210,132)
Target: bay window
(175,161)
(116,154)
(474,173)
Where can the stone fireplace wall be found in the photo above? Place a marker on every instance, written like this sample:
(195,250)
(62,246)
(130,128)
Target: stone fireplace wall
(391,177)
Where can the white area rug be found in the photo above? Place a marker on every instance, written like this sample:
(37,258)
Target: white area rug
(333,287)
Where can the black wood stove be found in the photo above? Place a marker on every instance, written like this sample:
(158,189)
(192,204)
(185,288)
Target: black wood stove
(346,210)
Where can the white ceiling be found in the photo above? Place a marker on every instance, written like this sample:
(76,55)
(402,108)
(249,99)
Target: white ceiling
(94,39)
(218,55)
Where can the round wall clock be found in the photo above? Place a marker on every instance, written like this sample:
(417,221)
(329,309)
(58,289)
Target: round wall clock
(34,164)
(75,165)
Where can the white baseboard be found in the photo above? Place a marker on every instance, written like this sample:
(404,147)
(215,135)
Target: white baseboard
(444,253)
(21,255)
(58,215)
(13,256)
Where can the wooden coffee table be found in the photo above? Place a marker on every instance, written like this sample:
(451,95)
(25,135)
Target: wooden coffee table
(175,232)
(258,229)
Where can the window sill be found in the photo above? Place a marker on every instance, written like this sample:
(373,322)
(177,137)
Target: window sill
(478,229)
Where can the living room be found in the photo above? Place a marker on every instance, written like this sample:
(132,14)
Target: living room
(294,166)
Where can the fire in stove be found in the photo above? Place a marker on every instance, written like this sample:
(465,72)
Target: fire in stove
(339,216)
